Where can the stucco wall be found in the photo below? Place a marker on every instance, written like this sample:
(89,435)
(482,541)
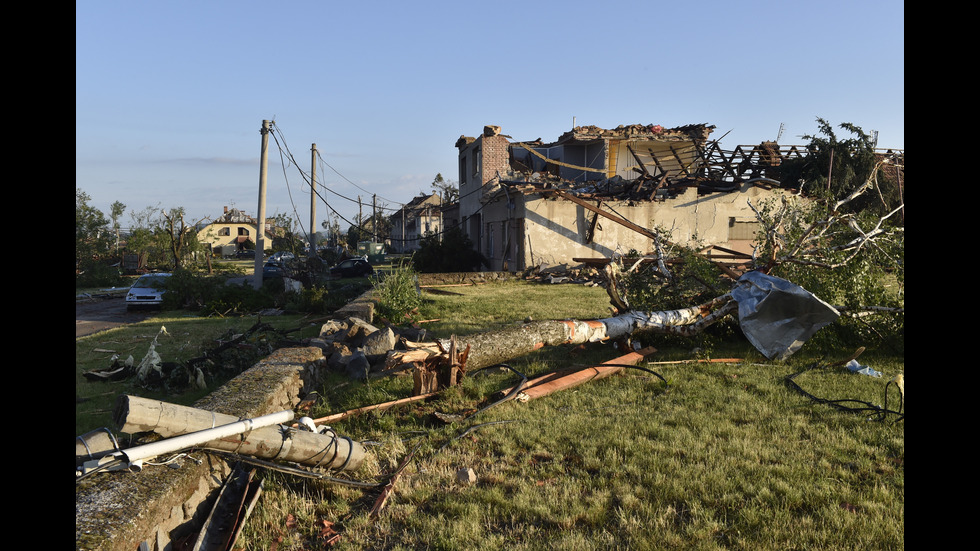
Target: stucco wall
(555,229)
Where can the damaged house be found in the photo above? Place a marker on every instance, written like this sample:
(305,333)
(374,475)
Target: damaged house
(597,193)
(419,217)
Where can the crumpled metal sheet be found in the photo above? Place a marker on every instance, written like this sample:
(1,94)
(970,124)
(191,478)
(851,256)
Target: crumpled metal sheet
(778,316)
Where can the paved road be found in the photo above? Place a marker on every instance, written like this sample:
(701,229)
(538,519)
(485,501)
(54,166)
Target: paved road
(92,316)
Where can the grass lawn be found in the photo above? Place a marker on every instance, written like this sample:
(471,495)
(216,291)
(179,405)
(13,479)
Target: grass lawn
(722,456)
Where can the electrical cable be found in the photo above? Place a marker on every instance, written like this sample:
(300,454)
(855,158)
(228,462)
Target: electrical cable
(877,413)
(298,471)
(288,157)
(109,465)
(631,366)
(510,395)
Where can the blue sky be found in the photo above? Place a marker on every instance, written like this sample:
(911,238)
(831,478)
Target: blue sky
(170,96)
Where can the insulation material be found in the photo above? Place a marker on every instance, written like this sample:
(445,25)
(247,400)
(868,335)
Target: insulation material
(778,316)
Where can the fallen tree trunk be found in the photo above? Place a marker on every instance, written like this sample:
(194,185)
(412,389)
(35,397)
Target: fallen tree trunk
(494,347)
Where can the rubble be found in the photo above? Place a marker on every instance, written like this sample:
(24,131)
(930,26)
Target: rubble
(363,351)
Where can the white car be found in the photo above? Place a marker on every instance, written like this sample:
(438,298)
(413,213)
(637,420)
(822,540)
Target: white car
(147,291)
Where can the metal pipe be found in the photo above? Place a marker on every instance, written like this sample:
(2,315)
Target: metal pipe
(136,415)
(135,456)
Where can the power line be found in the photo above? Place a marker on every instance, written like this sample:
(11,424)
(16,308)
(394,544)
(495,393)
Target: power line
(288,157)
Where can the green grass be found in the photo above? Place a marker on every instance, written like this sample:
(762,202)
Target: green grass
(725,456)
(470,309)
(187,336)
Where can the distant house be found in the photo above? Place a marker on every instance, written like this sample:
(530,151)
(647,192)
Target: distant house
(419,217)
(597,193)
(229,232)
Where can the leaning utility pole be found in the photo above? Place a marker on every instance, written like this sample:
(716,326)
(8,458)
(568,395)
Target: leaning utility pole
(313,202)
(260,238)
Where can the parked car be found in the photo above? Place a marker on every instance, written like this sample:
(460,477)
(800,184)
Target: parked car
(245,254)
(148,290)
(272,269)
(352,267)
(281,256)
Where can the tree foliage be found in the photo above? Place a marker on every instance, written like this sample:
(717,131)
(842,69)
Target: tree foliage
(286,235)
(834,166)
(165,236)
(845,243)
(451,251)
(447,189)
(93,239)
(397,293)
(367,228)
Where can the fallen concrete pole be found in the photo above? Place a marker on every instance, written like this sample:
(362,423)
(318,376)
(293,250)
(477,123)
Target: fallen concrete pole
(135,456)
(135,415)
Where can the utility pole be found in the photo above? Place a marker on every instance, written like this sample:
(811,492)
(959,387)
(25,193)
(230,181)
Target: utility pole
(374,218)
(260,238)
(313,201)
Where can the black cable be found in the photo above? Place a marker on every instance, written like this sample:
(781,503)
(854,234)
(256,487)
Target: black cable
(654,373)
(293,470)
(103,467)
(510,395)
(878,413)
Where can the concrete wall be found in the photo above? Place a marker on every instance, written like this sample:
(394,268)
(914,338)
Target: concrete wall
(555,230)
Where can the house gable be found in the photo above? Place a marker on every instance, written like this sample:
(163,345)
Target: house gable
(231,230)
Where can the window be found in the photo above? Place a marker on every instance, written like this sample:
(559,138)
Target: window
(243,232)
(224,231)
(476,162)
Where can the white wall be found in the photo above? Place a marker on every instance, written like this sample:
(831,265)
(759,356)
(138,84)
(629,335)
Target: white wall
(556,229)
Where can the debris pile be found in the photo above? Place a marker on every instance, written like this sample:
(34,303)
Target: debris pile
(231,353)
(582,274)
(362,351)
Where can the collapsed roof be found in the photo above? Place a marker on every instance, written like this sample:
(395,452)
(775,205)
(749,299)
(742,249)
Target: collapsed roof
(691,132)
(636,162)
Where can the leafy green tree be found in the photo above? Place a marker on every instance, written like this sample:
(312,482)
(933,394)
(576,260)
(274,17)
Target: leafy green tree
(117,209)
(165,236)
(367,228)
(179,236)
(287,236)
(447,189)
(450,252)
(93,238)
(835,166)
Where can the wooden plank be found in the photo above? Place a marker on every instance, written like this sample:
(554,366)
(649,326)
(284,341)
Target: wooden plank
(583,376)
